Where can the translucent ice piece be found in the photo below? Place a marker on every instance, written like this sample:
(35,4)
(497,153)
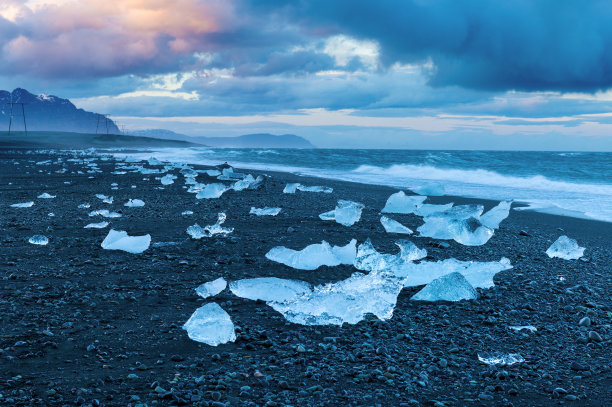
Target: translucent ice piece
(228,174)
(247,183)
(430,209)
(105,213)
(269,289)
(105,199)
(460,223)
(211,325)
(450,287)
(211,288)
(154,161)
(134,203)
(23,205)
(565,248)
(314,256)
(187,213)
(267,211)
(478,274)
(520,328)
(369,259)
(84,206)
(393,226)
(496,215)
(292,188)
(399,202)
(470,232)
(347,213)
(430,189)
(39,240)
(99,225)
(168,179)
(119,240)
(198,232)
(211,191)
(46,196)
(498,358)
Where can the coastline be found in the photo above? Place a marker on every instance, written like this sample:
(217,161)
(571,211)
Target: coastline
(135,305)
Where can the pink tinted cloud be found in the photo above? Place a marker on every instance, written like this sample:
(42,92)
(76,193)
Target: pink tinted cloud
(92,38)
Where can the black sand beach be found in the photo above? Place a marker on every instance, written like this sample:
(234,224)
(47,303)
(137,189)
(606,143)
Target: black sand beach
(80,325)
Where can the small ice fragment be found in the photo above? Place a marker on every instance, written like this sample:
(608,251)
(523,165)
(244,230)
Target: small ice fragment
(292,188)
(267,211)
(228,174)
(51,214)
(347,213)
(211,191)
(314,256)
(39,240)
(187,213)
(23,205)
(520,328)
(399,202)
(368,259)
(496,215)
(105,213)
(105,199)
(565,248)
(46,196)
(99,225)
(130,159)
(198,232)
(430,189)
(502,359)
(134,203)
(269,289)
(248,183)
(211,325)
(211,288)
(119,240)
(450,287)
(168,179)
(393,226)
(84,206)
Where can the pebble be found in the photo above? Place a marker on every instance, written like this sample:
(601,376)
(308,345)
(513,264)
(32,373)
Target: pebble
(594,336)
(586,321)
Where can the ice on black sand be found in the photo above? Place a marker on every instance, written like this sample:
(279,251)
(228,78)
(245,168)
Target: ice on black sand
(393,226)
(450,287)
(565,248)
(198,232)
(292,188)
(314,256)
(134,203)
(39,240)
(99,225)
(46,195)
(119,240)
(346,213)
(211,288)
(210,324)
(23,205)
(267,211)
(502,359)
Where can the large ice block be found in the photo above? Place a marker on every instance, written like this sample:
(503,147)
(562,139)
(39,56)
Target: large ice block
(450,287)
(393,226)
(210,324)
(211,288)
(496,215)
(314,256)
(460,223)
(429,209)
(269,289)
(565,248)
(119,240)
(399,202)
(369,259)
(211,191)
(346,213)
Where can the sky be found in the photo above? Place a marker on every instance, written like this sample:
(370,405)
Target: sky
(363,74)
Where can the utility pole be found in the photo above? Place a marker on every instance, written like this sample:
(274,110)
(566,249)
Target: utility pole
(100,116)
(25,126)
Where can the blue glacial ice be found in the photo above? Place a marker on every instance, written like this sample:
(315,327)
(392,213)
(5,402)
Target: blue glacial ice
(267,211)
(393,226)
(154,161)
(314,256)
(168,179)
(270,289)
(134,203)
(501,359)
(450,287)
(369,259)
(346,213)
(99,225)
(519,328)
(211,191)
(430,209)
(23,205)
(198,232)
(248,182)
(84,206)
(565,248)
(496,215)
(210,324)
(46,195)
(105,213)
(119,240)
(211,288)
(39,240)
(399,202)
(104,198)
(292,188)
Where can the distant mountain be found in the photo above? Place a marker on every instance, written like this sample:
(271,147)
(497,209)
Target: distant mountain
(262,140)
(50,113)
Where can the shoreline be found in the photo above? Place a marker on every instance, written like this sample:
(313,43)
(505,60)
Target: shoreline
(79,323)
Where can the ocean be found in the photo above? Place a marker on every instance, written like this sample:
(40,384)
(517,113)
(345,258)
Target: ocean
(577,184)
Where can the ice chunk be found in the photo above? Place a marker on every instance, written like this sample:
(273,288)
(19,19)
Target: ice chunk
(99,225)
(228,174)
(399,202)
(368,259)
(292,188)
(347,213)
(450,287)
(84,206)
(265,211)
(23,205)
(134,203)
(248,183)
(105,199)
(105,213)
(520,328)
(187,213)
(498,358)
(496,215)
(46,196)
(430,189)
(154,161)
(119,240)
(211,325)
(314,256)
(565,248)
(393,226)
(168,179)
(430,209)
(460,223)
(269,289)
(198,232)
(470,232)
(211,173)
(211,191)
(478,274)
(39,240)
(211,288)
